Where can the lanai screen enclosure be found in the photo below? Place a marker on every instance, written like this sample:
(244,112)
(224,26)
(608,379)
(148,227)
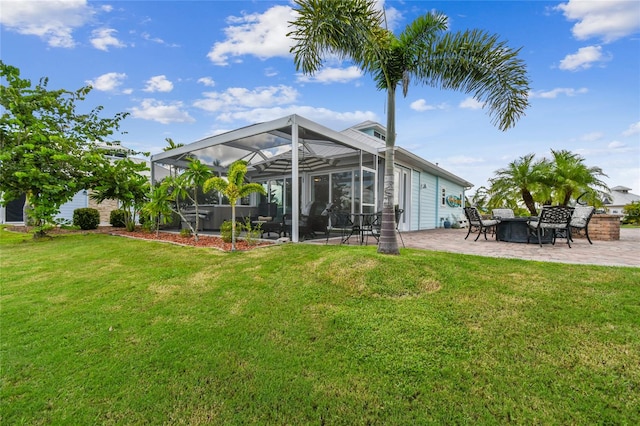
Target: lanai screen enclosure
(288,156)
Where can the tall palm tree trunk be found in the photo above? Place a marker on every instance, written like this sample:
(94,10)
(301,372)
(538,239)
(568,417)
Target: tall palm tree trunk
(388,243)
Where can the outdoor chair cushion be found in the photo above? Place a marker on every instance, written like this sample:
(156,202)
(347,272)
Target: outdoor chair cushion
(581,216)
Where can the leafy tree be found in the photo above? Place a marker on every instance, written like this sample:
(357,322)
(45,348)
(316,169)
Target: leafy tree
(471,61)
(48,151)
(632,213)
(234,188)
(570,177)
(122,181)
(521,179)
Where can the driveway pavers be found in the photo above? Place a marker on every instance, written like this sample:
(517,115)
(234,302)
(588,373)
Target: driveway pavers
(623,252)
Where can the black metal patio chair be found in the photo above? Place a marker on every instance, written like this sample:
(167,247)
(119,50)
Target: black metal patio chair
(554,219)
(478,224)
(580,220)
(340,222)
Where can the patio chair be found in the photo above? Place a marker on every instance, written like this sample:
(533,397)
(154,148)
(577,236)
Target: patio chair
(580,220)
(340,221)
(304,230)
(477,223)
(554,219)
(502,214)
(399,213)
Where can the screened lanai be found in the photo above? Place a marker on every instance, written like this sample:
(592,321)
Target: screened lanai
(296,160)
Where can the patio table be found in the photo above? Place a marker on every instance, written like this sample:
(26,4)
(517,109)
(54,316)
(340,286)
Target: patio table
(362,226)
(516,230)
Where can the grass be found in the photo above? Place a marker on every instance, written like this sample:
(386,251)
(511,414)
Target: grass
(97,329)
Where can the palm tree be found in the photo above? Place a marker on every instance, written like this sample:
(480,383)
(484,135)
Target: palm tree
(158,208)
(570,177)
(523,178)
(234,188)
(185,186)
(173,170)
(471,61)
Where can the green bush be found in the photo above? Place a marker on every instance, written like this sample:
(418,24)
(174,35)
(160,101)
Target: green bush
(86,218)
(225,230)
(117,218)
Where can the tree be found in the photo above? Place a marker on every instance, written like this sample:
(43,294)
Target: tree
(158,207)
(521,179)
(632,213)
(48,151)
(122,181)
(186,186)
(173,170)
(569,177)
(234,188)
(471,61)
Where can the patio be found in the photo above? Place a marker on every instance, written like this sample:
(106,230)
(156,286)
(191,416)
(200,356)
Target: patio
(623,252)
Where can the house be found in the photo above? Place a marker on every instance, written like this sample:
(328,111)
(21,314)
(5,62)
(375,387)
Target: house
(619,197)
(299,161)
(12,213)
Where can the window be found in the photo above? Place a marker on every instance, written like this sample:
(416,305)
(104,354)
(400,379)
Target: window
(443,200)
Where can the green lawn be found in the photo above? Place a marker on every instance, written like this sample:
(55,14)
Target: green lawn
(97,329)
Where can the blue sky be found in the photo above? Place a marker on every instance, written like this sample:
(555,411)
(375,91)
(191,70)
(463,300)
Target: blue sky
(191,69)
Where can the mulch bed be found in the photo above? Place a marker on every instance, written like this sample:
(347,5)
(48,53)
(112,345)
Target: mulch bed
(203,240)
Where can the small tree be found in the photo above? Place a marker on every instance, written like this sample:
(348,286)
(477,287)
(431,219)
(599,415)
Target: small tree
(234,188)
(48,151)
(632,213)
(158,207)
(122,181)
(185,186)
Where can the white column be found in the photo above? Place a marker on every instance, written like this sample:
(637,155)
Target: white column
(295,198)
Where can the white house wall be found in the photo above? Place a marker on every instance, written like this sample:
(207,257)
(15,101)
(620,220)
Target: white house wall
(80,200)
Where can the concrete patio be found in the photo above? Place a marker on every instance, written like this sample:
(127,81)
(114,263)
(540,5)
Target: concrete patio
(624,252)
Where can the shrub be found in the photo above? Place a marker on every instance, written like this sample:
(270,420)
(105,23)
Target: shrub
(225,230)
(252,233)
(117,218)
(86,218)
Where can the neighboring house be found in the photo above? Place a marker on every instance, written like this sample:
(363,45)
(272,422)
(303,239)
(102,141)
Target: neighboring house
(299,161)
(617,199)
(13,212)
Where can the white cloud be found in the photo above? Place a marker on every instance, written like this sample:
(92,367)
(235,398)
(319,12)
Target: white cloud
(616,145)
(207,81)
(609,20)
(54,21)
(583,59)
(108,82)
(592,137)
(104,38)
(471,103)
(327,117)
(235,98)
(634,129)
(271,72)
(332,75)
(158,83)
(392,15)
(106,8)
(421,105)
(464,160)
(151,109)
(552,94)
(262,35)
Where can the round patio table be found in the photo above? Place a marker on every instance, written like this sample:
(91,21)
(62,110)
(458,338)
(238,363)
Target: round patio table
(516,230)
